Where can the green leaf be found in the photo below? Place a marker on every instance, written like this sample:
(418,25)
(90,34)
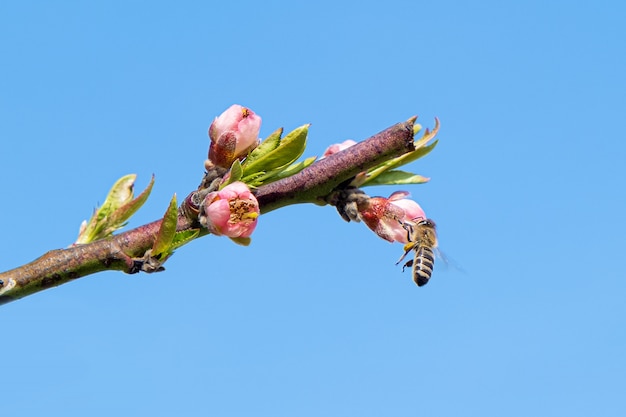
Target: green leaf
(165,236)
(259,178)
(117,208)
(293,168)
(183,237)
(120,194)
(396,162)
(413,156)
(235,171)
(254,180)
(397,178)
(291,148)
(281,173)
(267,145)
(119,217)
(235,174)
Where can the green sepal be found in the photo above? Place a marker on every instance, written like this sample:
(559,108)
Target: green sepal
(396,177)
(243,241)
(117,208)
(165,236)
(290,148)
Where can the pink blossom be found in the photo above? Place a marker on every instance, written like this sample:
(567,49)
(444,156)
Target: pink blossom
(233,134)
(232,211)
(385,216)
(337,147)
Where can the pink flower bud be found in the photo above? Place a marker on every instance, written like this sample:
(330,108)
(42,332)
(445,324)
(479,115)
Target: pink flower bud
(337,147)
(232,211)
(384,216)
(233,134)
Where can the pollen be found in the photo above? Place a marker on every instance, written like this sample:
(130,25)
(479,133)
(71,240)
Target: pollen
(242,211)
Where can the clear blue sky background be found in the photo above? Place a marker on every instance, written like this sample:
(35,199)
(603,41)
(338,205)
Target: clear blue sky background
(314,319)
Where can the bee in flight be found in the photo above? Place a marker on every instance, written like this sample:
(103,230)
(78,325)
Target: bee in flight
(422,239)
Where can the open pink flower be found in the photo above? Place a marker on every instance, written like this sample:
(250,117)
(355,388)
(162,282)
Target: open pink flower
(233,134)
(384,216)
(337,147)
(232,211)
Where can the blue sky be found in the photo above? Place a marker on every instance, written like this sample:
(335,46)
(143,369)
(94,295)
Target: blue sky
(314,318)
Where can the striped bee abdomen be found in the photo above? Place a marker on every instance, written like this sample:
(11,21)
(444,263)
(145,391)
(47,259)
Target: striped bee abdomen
(423,265)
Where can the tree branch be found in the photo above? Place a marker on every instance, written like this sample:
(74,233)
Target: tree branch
(311,185)
(123,252)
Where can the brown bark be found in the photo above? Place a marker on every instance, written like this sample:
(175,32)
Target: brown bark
(123,252)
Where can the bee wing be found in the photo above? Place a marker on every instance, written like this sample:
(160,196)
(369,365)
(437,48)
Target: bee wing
(448,263)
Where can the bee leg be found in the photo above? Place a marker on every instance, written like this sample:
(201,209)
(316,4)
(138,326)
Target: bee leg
(407,249)
(408,264)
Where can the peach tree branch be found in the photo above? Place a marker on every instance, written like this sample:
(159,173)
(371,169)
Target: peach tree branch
(128,251)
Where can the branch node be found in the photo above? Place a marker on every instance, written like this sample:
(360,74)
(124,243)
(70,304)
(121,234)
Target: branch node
(10,284)
(147,263)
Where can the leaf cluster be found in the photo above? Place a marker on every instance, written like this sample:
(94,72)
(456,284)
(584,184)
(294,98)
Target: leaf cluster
(275,158)
(114,213)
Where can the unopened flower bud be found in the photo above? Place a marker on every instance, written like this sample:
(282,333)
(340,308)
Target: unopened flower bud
(233,135)
(232,211)
(385,216)
(338,147)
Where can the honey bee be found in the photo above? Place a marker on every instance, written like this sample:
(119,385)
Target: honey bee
(422,239)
